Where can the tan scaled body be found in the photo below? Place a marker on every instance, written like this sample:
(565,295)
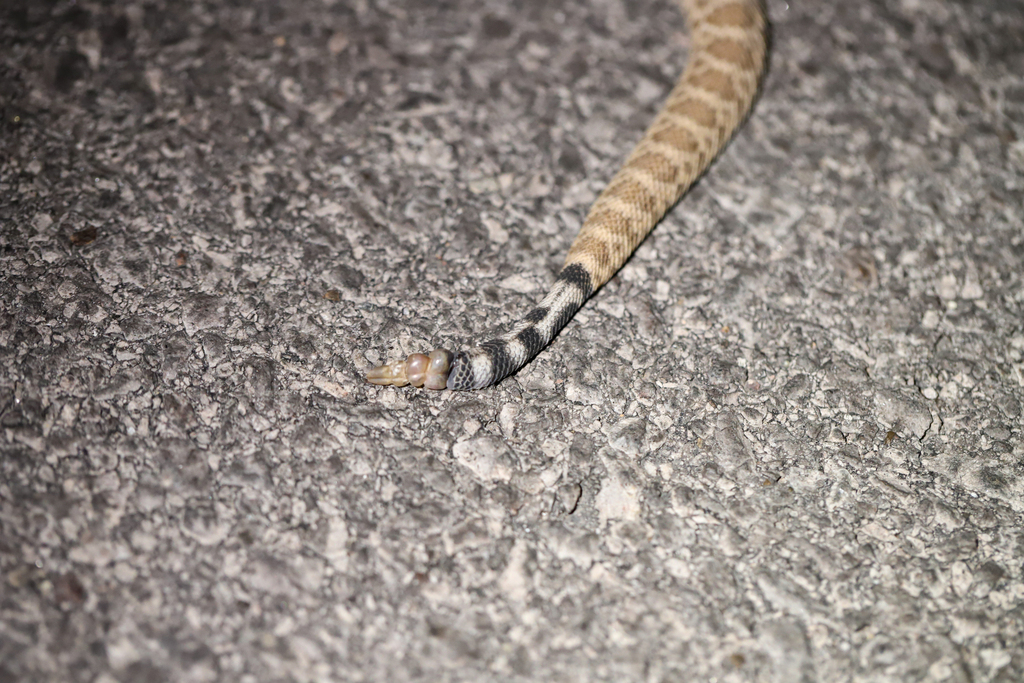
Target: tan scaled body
(729,42)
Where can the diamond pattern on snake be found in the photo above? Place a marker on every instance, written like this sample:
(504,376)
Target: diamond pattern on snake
(714,95)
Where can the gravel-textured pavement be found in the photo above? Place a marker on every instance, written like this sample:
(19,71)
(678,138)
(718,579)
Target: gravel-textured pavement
(783,444)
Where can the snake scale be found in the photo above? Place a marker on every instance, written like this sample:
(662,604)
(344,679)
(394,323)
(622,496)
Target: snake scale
(729,43)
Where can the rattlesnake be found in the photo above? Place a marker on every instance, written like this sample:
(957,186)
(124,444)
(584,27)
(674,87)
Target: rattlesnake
(728,51)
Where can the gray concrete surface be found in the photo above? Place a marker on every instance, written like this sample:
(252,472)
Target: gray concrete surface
(784,444)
